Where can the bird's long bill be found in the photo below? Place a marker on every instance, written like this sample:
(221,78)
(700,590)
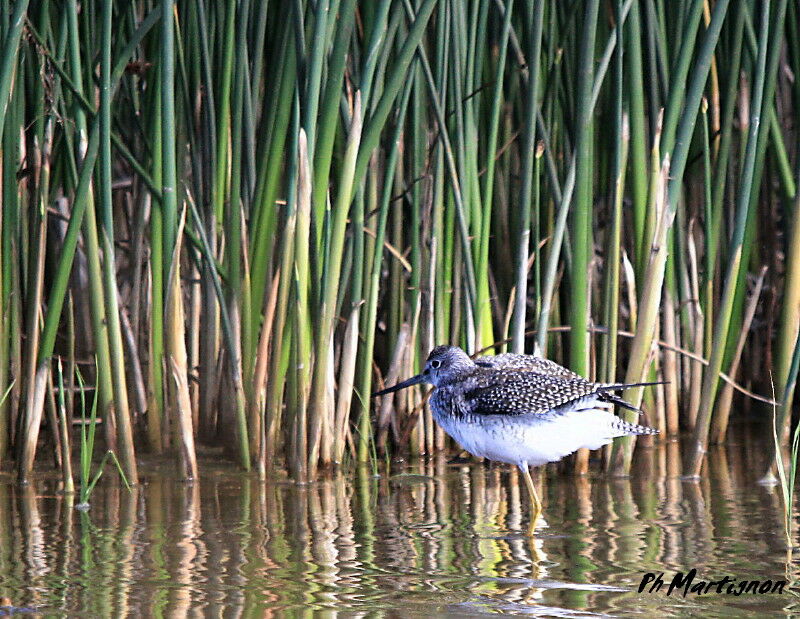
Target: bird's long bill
(414,380)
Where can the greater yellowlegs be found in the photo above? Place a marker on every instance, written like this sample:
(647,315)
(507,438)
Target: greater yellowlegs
(520,409)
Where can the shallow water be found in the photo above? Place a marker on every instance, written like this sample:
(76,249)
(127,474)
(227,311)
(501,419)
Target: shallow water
(427,538)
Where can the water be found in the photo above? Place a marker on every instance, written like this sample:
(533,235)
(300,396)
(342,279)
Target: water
(428,538)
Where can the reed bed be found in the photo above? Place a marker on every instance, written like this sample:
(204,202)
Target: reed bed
(240,213)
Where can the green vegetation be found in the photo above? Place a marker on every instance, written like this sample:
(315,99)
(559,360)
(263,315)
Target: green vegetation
(88,428)
(255,206)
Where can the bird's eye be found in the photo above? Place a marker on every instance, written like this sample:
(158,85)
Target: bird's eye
(436,364)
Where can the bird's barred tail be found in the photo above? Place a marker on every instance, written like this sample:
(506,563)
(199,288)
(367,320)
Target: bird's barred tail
(632,428)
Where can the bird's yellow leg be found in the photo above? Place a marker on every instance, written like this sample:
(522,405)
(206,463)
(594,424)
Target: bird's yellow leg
(536,504)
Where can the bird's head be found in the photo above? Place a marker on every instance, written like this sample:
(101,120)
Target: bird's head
(442,363)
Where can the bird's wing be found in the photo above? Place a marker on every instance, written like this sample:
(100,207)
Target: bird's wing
(545,366)
(503,392)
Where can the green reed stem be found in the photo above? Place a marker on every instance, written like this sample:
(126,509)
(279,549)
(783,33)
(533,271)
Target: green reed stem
(121,410)
(9,58)
(582,207)
(535,20)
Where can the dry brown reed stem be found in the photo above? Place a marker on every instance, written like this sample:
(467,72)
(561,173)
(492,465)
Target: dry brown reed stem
(345,384)
(719,423)
(135,375)
(392,376)
(698,333)
(175,351)
(428,335)
(670,365)
(630,287)
(183,412)
(36,378)
(64,429)
(302,339)
(195,312)
(53,425)
(714,85)
(264,341)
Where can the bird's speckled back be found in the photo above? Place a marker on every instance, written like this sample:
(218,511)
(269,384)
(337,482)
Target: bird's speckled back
(513,361)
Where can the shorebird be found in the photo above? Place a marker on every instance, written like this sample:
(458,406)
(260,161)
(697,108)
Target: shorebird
(520,409)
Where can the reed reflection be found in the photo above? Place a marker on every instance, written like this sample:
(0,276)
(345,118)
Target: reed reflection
(421,535)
